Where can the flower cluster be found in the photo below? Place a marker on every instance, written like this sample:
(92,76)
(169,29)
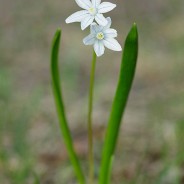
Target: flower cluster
(101,35)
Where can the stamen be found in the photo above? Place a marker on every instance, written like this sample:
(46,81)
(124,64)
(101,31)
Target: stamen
(92,11)
(100,36)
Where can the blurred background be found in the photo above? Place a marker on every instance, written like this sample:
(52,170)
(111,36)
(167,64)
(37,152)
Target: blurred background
(150,149)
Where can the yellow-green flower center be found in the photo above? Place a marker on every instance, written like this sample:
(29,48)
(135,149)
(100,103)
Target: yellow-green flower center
(92,11)
(100,36)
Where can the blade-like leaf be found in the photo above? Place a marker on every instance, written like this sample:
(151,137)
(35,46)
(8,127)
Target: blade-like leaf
(60,108)
(36,178)
(126,77)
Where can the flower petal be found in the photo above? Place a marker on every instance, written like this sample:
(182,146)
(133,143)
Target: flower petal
(101,20)
(94,28)
(106,7)
(89,40)
(112,44)
(85,4)
(108,24)
(77,17)
(110,33)
(96,3)
(86,22)
(99,48)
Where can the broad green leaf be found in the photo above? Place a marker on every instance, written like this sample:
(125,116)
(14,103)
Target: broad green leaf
(126,77)
(60,108)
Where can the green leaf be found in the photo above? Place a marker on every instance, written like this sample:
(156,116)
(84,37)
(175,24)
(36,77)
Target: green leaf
(36,178)
(60,108)
(126,77)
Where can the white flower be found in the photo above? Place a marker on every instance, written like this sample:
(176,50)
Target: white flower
(92,11)
(102,36)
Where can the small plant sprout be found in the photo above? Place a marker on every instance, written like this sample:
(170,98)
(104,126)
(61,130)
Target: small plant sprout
(101,36)
(93,10)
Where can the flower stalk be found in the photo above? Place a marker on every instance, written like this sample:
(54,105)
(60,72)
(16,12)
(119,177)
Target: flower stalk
(90,127)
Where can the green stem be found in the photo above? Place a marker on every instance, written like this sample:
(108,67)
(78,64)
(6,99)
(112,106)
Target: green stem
(90,129)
